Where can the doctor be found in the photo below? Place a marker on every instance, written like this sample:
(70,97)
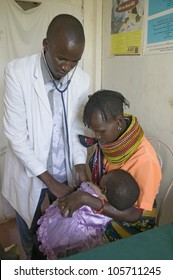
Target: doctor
(44,97)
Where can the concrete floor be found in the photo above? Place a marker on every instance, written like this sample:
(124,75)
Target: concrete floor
(9,235)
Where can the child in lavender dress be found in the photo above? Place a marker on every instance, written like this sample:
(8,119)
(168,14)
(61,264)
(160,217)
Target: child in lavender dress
(61,236)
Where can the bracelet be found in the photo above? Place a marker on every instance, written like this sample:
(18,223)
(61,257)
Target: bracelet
(136,207)
(102,206)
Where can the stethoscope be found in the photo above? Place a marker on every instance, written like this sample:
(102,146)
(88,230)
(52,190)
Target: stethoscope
(61,91)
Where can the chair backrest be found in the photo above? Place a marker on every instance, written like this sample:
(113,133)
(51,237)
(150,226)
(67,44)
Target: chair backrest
(165,194)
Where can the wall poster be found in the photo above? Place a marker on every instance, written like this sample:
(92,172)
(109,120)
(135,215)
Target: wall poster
(158,35)
(126,27)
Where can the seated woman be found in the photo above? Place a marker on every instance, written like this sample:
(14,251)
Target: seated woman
(60,236)
(121,144)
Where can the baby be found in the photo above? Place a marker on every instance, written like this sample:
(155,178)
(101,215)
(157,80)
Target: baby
(61,236)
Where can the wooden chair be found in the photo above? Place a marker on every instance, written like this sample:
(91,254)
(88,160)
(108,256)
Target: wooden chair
(165,194)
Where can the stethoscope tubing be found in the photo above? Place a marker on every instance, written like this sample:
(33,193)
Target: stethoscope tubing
(66,124)
(61,91)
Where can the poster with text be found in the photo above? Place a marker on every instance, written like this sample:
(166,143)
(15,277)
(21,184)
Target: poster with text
(158,35)
(126,27)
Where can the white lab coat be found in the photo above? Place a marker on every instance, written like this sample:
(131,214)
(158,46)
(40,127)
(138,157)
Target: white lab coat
(28,126)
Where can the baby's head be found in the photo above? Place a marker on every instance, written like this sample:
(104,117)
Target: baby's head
(120,188)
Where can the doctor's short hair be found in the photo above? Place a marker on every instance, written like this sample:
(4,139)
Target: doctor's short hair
(122,189)
(67,26)
(108,103)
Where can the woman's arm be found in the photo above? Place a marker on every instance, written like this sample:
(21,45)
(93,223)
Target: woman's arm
(130,215)
(77,199)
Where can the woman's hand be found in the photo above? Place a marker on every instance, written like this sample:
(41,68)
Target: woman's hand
(71,202)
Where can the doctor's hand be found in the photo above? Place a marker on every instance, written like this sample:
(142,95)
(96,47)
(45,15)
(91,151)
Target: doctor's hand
(55,187)
(81,173)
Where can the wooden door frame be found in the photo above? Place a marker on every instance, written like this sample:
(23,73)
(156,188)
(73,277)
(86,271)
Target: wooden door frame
(92,61)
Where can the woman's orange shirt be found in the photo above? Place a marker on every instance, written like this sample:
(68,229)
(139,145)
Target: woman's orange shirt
(144,166)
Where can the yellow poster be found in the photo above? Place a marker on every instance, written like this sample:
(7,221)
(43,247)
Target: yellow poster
(126,27)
